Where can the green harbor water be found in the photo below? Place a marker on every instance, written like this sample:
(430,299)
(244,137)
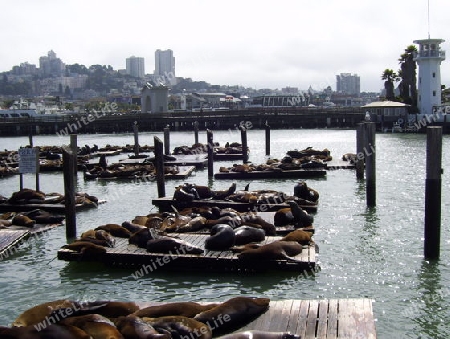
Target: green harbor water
(373,253)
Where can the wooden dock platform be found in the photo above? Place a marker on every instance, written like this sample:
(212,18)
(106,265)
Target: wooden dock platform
(184,172)
(46,207)
(197,160)
(318,319)
(165,203)
(9,239)
(298,174)
(126,255)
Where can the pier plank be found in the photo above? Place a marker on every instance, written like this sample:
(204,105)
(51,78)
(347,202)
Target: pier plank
(9,239)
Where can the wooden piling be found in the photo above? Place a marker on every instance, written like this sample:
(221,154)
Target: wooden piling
(74,149)
(210,143)
(433,184)
(136,138)
(244,144)
(69,193)
(369,151)
(267,138)
(166,140)
(159,165)
(196,131)
(359,165)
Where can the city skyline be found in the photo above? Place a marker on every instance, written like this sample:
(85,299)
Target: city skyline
(292,44)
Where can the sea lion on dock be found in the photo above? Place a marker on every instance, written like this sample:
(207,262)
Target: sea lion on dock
(97,326)
(85,248)
(115,230)
(255,334)
(301,217)
(233,313)
(300,236)
(221,239)
(180,327)
(283,217)
(183,308)
(134,327)
(39,312)
(248,234)
(171,245)
(277,250)
(51,331)
(132,227)
(140,220)
(103,235)
(141,237)
(23,220)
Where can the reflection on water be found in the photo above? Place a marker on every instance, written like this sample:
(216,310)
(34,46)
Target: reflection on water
(375,253)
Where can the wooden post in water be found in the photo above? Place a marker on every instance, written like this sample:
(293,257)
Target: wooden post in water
(136,138)
(244,144)
(360,139)
(267,138)
(370,151)
(196,131)
(166,140)
(433,183)
(69,193)
(74,149)
(30,136)
(210,145)
(159,165)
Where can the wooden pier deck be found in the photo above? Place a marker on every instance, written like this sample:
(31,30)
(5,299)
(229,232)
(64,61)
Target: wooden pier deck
(318,319)
(9,239)
(126,255)
(197,160)
(165,203)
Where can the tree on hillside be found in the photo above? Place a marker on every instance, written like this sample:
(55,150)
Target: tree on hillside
(407,73)
(389,76)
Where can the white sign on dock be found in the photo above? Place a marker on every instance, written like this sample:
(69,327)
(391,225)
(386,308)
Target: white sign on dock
(29,160)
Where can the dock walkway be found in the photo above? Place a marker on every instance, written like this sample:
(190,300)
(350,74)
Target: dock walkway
(126,255)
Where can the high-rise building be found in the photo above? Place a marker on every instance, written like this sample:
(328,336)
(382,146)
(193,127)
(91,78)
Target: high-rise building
(135,67)
(50,65)
(348,83)
(165,64)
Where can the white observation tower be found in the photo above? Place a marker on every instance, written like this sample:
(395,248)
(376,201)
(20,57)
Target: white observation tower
(429,57)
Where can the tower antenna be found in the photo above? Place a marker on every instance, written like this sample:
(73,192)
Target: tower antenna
(428,19)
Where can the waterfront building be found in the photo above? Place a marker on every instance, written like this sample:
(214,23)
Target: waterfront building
(348,83)
(154,98)
(135,66)
(165,65)
(429,57)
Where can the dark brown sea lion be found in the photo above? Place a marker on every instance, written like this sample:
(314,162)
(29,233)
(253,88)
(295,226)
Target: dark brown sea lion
(180,327)
(44,217)
(23,220)
(38,313)
(132,227)
(277,250)
(97,326)
(141,237)
(140,220)
(233,313)
(171,245)
(85,248)
(283,217)
(26,194)
(195,224)
(183,308)
(252,219)
(115,230)
(133,327)
(221,239)
(103,235)
(247,234)
(254,334)
(112,309)
(300,236)
(301,217)
(301,190)
(47,332)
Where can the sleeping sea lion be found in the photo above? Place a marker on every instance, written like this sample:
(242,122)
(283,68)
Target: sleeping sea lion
(141,237)
(132,227)
(195,224)
(134,327)
(277,250)
(180,327)
(247,234)
(300,236)
(23,220)
(48,332)
(140,220)
(183,308)
(255,334)
(233,313)
(221,239)
(44,217)
(251,219)
(283,217)
(85,248)
(95,325)
(39,312)
(170,245)
(103,235)
(115,230)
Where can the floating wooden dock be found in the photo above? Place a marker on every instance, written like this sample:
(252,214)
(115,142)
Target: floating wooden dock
(197,160)
(339,164)
(184,172)
(299,174)
(228,156)
(46,207)
(126,255)
(9,239)
(166,203)
(318,319)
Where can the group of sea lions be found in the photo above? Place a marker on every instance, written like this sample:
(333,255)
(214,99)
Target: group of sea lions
(29,219)
(65,319)
(120,170)
(198,148)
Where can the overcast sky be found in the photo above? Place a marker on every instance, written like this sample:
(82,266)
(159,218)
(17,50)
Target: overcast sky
(259,44)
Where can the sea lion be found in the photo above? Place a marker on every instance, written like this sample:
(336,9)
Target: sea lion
(195,224)
(85,248)
(221,239)
(25,195)
(44,217)
(141,237)
(23,220)
(103,235)
(38,313)
(154,222)
(283,217)
(301,190)
(110,309)
(300,236)
(5,223)
(183,308)
(301,217)
(255,334)
(97,326)
(51,331)
(233,313)
(277,250)
(180,327)
(115,230)
(247,234)
(132,227)
(133,327)
(170,245)
(252,219)
(140,220)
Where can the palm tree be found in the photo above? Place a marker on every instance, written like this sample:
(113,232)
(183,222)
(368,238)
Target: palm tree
(407,72)
(389,76)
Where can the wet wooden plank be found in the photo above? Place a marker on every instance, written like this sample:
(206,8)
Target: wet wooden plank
(9,239)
